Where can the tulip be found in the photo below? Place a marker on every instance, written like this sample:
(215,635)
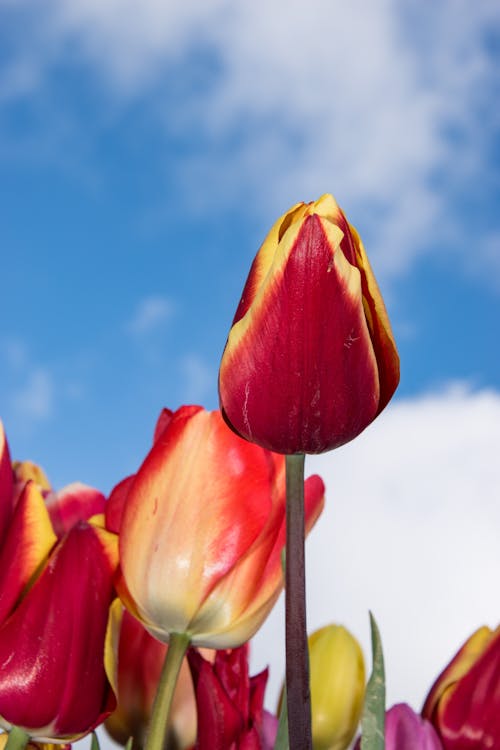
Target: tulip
(140,660)
(230,703)
(464,702)
(310,359)
(337,671)
(406,730)
(202,530)
(53,683)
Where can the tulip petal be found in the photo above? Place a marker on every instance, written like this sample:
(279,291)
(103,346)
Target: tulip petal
(187,486)
(76,502)
(27,546)
(299,369)
(219,721)
(232,613)
(6,484)
(52,682)
(468,715)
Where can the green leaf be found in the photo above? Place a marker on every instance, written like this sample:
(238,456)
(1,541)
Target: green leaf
(373,719)
(94,745)
(281,742)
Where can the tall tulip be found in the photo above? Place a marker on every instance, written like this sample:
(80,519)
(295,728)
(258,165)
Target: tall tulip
(53,683)
(464,702)
(310,359)
(213,572)
(337,687)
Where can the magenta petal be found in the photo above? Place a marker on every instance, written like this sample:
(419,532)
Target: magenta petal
(53,682)
(76,502)
(406,730)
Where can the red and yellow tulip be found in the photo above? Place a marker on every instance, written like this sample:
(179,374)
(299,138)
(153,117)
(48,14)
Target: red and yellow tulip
(53,683)
(202,529)
(464,702)
(310,359)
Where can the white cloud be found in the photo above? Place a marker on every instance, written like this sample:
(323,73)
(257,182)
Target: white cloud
(358,98)
(35,399)
(151,313)
(410,531)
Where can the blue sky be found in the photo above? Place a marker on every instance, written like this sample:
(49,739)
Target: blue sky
(145,150)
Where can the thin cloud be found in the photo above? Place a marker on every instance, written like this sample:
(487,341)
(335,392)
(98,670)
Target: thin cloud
(151,313)
(34,401)
(410,531)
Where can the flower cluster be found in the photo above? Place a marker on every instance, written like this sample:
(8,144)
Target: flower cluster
(136,610)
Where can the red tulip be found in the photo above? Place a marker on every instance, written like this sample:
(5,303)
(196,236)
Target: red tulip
(53,683)
(464,702)
(310,359)
(230,703)
(202,531)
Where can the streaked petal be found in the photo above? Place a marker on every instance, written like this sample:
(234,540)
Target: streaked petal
(26,547)
(53,682)
(6,484)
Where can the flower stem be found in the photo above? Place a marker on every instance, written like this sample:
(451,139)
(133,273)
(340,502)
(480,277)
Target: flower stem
(158,728)
(297,656)
(17,739)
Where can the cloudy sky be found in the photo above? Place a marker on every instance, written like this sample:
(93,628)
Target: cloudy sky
(145,150)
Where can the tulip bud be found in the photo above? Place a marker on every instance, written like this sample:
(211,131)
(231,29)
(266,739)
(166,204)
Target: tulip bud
(310,359)
(464,702)
(337,687)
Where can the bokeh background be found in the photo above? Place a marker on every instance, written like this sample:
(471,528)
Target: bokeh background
(145,150)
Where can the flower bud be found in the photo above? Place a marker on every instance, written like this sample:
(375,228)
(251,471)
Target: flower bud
(310,359)
(337,686)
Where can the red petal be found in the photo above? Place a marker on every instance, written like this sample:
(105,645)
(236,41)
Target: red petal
(53,682)
(6,484)
(116,504)
(27,546)
(219,721)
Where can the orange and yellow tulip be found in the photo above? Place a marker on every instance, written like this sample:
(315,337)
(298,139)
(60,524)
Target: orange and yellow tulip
(310,359)
(202,529)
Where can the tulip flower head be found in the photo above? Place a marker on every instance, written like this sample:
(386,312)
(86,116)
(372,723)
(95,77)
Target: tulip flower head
(337,671)
(53,683)
(464,702)
(230,703)
(310,359)
(201,532)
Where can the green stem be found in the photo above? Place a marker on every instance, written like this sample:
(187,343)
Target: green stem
(297,657)
(17,740)
(177,647)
